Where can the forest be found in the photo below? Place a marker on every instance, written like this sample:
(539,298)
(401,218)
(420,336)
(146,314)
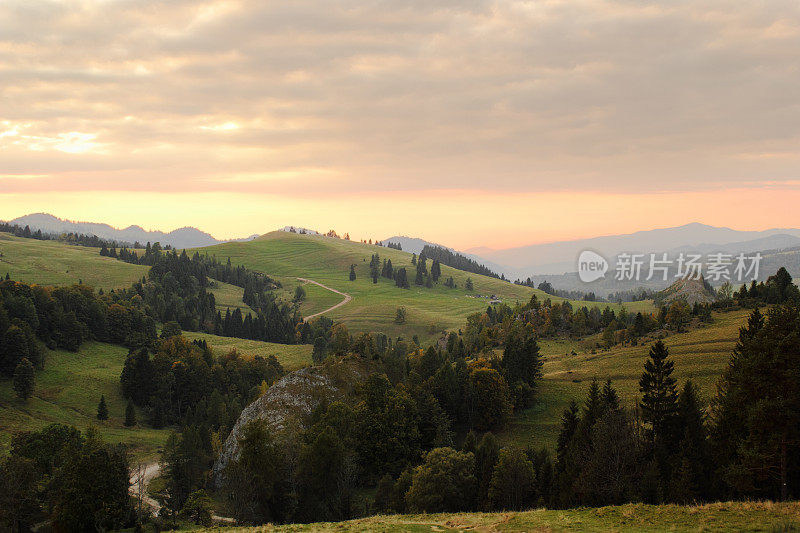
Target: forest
(418,433)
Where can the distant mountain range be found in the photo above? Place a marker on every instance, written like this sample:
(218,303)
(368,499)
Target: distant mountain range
(561,257)
(186,237)
(556,262)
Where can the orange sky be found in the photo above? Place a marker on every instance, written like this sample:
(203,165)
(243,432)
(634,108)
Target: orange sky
(461,219)
(494,123)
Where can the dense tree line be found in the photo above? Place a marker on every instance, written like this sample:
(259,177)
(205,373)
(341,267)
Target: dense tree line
(182,382)
(75,479)
(777,289)
(177,289)
(64,317)
(458,261)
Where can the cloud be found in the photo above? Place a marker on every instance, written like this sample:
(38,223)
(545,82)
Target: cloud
(382,96)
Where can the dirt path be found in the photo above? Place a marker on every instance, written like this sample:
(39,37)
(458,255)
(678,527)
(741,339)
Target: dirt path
(141,476)
(147,473)
(347,298)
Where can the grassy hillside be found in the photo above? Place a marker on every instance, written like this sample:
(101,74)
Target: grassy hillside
(701,354)
(229,296)
(68,391)
(56,263)
(291,356)
(733,516)
(69,388)
(288,256)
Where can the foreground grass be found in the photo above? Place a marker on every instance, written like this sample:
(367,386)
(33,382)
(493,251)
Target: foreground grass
(569,366)
(56,263)
(287,256)
(730,516)
(68,391)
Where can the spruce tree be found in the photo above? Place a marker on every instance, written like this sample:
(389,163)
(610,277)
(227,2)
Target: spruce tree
(130,415)
(24,378)
(659,402)
(610,396)
(102,409)
(352,272)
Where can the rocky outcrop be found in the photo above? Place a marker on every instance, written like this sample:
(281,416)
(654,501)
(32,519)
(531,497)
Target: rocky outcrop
(690,290)
(289,402)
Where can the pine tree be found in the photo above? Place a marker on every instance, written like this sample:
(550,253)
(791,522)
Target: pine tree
(610,396)
(102,409)
(436,270)
(24,378)
(419,280)
(468,284)
(352,272)
(659,402)
(130,415)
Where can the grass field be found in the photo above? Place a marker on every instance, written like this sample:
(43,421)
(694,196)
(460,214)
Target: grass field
(68,391)
(730,516)
(700,354)
(56,263)
(229,297)
(290,356)
(287,256)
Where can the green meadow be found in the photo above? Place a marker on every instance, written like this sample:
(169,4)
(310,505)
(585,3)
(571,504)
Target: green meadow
(67,392)
(229,296)
(290,356)
(288,256)
(56,263)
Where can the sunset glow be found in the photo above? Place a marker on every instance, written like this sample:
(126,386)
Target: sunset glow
(445,121)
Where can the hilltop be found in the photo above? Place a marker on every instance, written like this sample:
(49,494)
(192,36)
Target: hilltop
(692,291)
(56,263)
(289,256)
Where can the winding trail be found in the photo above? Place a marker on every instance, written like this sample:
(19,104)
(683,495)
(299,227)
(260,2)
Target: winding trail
(147,474)
(347,298)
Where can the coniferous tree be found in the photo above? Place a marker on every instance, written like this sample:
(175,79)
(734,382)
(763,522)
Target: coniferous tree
(436,270)
(468,284)
(756,429)
(610,396)
(102,409)
(352,272)
(24,378)
(659,408)
(130,415)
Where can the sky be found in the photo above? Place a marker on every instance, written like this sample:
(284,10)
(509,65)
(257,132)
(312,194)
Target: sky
(469,123)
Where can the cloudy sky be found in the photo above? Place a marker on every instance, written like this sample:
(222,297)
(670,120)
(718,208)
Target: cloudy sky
(470,123)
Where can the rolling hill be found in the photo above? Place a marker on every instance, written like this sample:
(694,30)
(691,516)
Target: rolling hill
(700,354)
(288,256)
(56,263)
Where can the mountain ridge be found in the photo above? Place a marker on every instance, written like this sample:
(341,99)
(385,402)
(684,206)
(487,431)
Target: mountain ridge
(183,237)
